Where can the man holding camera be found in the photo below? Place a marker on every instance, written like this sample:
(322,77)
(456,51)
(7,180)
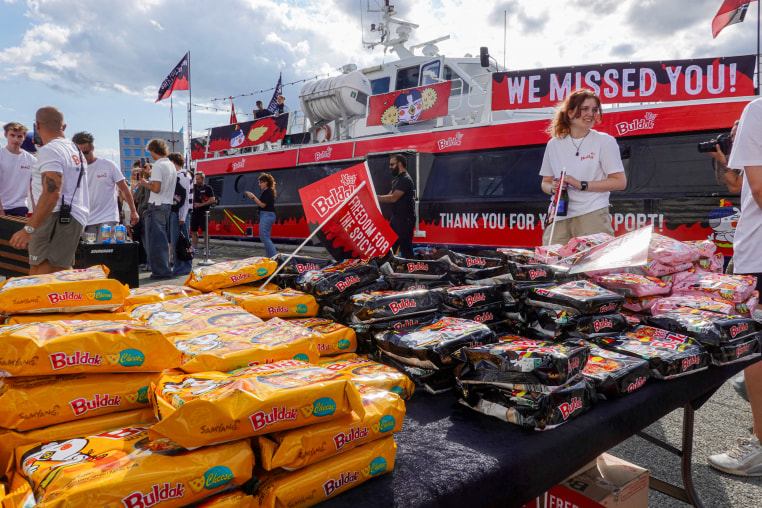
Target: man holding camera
(725,176)
(59,198)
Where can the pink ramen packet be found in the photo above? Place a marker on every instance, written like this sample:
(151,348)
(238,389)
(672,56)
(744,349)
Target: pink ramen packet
(736,288)
(671,252)
(633,285)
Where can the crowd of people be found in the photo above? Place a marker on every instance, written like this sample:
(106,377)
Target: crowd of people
(70,195)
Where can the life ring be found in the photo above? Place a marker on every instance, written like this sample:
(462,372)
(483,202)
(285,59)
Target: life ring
(323,134)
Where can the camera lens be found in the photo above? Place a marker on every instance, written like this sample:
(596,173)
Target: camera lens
(707,146)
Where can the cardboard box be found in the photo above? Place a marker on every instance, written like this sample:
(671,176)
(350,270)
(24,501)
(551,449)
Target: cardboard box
(608,482)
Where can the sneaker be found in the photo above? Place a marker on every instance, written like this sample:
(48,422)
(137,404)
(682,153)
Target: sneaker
(738,382)
(744,459)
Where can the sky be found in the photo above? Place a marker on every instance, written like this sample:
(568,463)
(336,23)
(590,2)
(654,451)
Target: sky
(102,62)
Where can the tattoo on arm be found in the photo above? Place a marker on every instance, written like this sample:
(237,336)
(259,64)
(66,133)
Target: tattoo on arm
(52,184)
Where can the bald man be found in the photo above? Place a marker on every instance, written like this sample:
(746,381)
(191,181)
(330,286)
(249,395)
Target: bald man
(59,199)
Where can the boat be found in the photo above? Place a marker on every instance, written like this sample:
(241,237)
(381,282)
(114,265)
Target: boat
(475,144)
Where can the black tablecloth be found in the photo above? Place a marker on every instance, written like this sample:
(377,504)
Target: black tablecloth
(450,455)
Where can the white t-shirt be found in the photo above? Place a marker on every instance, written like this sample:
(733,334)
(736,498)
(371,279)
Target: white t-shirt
(15,175)
(747,151)
(598,157)
(63,156)
(102,177)
(187,182)
(163,171)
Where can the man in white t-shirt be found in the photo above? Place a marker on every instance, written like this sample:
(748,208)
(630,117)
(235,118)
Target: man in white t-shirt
(162,187)
(105,182)
(59,192)
(15,171)
(745,457)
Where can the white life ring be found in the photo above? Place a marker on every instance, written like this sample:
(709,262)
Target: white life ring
(323,134)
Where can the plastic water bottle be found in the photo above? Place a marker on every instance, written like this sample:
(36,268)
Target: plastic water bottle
(105,233)
(120,233)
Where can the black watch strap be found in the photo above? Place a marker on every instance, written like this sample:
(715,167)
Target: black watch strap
(583,185)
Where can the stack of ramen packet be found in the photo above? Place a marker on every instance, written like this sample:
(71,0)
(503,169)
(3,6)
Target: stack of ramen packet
(669,355)
(60,376)
(727,338)
(574,309)
(531,383)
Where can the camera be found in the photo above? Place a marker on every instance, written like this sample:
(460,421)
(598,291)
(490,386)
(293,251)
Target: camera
(710,146)
(64,216)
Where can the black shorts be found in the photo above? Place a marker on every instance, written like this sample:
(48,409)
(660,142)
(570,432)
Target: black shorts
(198,221)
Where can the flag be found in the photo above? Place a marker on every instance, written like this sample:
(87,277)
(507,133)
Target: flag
(233,118)
(177,79)
(278,91)
(731,11)
(345,209)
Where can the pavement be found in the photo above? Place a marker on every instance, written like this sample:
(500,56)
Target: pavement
(718,422)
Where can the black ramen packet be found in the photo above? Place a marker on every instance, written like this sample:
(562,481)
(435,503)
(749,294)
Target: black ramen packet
(576,297)
(383,305)
(338,279)
(300,264)
(431,347)
(419,268)
(615,374)
(532,410)
(709,328)
(470,297)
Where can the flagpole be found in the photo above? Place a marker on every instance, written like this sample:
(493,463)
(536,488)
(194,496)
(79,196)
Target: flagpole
(330,216)
(172,116)
(190,102)
(758,87)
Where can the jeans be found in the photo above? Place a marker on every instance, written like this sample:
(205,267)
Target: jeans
(146,219)
(180,267)
(266,221)
(158,240)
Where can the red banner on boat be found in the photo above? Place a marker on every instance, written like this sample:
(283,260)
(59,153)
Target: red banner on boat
(410,105)
(357,229)
(240,135)
(198,148)
(675,80)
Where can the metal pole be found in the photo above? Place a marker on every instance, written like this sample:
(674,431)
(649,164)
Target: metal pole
(206,261)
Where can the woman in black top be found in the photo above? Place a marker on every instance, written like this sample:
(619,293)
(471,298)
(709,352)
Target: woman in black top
(266,203)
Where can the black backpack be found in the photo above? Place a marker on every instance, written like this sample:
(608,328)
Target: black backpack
(179,198)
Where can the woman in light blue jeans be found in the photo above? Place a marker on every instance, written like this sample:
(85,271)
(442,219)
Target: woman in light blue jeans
(266,204)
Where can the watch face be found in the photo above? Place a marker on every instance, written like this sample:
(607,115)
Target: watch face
(29,229)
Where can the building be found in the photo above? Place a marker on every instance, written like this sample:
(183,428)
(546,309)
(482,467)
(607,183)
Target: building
(132,145)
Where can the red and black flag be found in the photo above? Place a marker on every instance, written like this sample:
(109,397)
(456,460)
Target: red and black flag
(178,79)
(731,11)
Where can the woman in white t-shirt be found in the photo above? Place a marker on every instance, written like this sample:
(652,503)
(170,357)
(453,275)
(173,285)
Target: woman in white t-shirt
(593,168)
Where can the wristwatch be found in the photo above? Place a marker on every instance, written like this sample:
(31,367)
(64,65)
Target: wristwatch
(29,229)
(583,186)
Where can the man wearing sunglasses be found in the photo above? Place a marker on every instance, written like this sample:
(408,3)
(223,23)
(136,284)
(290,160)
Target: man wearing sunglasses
(402,198)
(104,182)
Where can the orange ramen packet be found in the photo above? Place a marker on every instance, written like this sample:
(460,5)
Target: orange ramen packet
(144,311)
(282,303)
(33,402)
(17,319)
(195,321)
(11,439)
(233,499)
(296,448)
(122,468)
(210,407)
(326,479)
(368,372)
(229,349)
(335,338)
(152,294)
(230,273)
(65,291)
(70,347)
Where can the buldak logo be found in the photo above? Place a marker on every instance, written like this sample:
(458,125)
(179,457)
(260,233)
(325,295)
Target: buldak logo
(645,123)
